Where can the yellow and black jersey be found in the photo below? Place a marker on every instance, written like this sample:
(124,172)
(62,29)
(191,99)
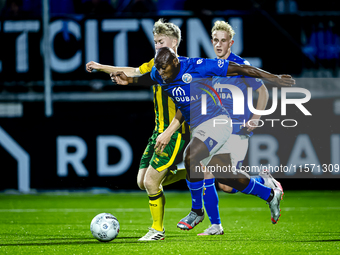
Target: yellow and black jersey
(165,108)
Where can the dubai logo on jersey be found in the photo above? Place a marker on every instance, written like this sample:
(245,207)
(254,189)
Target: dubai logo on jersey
(187,78)
(178,91)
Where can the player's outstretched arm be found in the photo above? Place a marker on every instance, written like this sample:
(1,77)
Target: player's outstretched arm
(130,71)
(262,101)
(251,71)
(122,79)
(164,138)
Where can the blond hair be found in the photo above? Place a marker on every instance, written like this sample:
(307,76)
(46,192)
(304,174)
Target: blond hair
(224,26)
(167,29)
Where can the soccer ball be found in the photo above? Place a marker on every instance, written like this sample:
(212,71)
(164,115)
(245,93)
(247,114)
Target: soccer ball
(105,227)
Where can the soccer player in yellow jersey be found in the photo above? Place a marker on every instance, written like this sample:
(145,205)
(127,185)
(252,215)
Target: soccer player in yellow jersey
(154,166)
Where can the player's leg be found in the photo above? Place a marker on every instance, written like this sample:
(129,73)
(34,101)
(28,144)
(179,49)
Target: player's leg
(241,181)
(236,149)
(210,196)
(177,173)
(152,183)
(174,176)
(269,181)
(206,141)
(237,146)
(156,172)
(231,190)
(145,160)
(140,178)
(211,200)
(195,151)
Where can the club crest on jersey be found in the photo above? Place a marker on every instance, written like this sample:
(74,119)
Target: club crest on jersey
(200,61)
(220,63)
(187,78)
(210,143)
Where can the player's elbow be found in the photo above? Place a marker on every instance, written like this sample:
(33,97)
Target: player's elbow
(249,71)
(263,91)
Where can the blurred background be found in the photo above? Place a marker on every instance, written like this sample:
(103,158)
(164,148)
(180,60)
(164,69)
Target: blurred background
(63,128)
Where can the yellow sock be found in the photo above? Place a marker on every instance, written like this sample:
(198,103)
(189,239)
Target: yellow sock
(181,174)
(156,204)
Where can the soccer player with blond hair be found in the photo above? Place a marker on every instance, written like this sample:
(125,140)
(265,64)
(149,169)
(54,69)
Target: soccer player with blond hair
(153,170)
(234,151)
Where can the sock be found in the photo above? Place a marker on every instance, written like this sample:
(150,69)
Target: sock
(174,177)
(210,199)
(271,196)
(233,191)
(257,189)
(156,204)
(196,190)
(256,178)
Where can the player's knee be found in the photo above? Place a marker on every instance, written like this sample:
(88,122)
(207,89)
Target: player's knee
(191,160)
(140,181)
(225,188)
(149,184)
(140,184)
(140,178)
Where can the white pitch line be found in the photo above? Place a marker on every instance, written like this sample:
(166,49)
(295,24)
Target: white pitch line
(132,210)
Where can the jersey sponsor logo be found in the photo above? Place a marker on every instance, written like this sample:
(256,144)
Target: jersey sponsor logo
(179,95)
(186,98)
(187,78)
(200,61)
(225,95)
(161,154)
(178,91)
(220,63)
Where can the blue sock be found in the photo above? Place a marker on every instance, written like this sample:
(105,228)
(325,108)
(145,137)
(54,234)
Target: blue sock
(210,199)
(257,189)
(256,178)
(196,190)
(233,191)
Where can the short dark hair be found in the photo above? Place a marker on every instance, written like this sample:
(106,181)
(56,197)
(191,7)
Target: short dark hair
(164,55)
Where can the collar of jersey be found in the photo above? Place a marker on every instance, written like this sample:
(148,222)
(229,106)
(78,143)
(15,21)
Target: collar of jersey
(182,69)
(231,57)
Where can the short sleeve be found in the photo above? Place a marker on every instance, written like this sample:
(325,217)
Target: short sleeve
(146,67)
(212,67)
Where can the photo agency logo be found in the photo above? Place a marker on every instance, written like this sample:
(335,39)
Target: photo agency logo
(240,102)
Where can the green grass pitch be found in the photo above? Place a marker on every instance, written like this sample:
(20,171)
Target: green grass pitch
(60,224)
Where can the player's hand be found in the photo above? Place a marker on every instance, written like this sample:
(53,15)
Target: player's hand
(90,66)
(119,77)
(162,141)
(286,80)
(252,124)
